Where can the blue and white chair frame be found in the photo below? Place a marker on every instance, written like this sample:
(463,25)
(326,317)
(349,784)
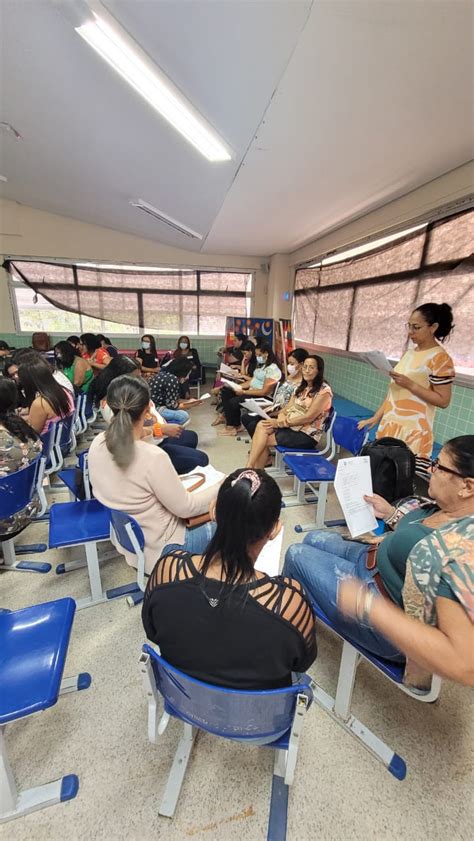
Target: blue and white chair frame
(125,532)
(34,648)
(339,707)
(16,491)
(271,719)
(280,469)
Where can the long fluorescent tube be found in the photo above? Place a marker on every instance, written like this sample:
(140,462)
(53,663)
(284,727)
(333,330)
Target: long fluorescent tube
(163,217)
(108,38)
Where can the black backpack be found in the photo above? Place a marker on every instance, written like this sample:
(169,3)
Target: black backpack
(392,465)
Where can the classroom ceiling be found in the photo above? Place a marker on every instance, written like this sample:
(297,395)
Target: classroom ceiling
(330,108)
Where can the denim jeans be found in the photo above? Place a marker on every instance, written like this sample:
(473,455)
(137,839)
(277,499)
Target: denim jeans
(174,415)
(196,540)
(319,563)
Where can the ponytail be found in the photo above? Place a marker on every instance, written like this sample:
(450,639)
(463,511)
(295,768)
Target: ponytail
(440,314)
(127,397)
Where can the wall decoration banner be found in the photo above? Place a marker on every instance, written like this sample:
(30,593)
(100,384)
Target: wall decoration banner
(249,326)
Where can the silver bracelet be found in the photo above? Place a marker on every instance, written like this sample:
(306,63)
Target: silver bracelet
(367,607)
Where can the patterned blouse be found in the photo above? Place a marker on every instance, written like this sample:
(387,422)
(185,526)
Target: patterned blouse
(14,455)
(164,390)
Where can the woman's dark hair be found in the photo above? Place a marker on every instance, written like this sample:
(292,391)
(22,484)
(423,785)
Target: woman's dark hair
(73,340)
(12,422)
(317,383)
(128,397)
(241,337)
(117,367)
(36,377)
(180,367)
(246,511)
(237,354)
(461,450)
(7,364)
(253,359)
(440,314)
(178,351)
(299,353)
(152,343)
(4,345)
(91,342)
(103,338)
(264,347)
(64,354)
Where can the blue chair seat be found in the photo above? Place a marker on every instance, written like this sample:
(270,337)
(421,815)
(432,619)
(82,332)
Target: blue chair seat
(392,670)
(311,468)
(33,653)
(72,523)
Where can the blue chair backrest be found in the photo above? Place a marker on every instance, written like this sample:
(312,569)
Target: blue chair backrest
(47,440)
(234,714)
(120,520)
(347,435)
(17,489)
(65,440)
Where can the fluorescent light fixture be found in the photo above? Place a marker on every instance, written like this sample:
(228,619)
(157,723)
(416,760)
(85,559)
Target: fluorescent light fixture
(119,50)
(163,217)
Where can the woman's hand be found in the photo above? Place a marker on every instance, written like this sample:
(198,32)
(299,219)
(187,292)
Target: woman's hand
(269,425)
(173,430)
(401,380)
(212,511)
(368,422)
(382,508)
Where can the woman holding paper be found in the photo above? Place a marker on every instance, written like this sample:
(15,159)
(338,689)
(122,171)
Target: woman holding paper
(130,474)
(411,596)
(422,381)
(218,618)
(262,383)
(283,393)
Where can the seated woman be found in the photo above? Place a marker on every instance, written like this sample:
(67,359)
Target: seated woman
(107,345)
(261,384)
(132,475)
(19,446)
(147,355)
(184,349)
(91,349)
(284,391)
(77,370)
(412,595)
(179,443)
(247,366)
(164,389)
(300,424)
(45,399)
(218,619)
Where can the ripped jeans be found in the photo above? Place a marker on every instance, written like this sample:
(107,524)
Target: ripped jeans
(319,563)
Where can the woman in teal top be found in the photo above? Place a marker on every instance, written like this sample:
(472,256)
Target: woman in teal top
(77,370)
(411,597)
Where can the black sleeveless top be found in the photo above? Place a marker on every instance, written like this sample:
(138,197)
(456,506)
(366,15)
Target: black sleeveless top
(252,636)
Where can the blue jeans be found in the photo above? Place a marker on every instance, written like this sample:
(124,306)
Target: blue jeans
(319,563)
(196,540)
(174,415)
(182,452)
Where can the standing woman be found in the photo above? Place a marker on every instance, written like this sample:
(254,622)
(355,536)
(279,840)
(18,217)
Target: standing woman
(46,400)
(422,381)
(147,355)
(92,350)
(77,370)
(300,424)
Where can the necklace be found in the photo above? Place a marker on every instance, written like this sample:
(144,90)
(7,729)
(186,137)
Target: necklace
(213,602)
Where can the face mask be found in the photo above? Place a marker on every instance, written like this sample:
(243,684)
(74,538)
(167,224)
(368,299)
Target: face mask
(260,360)
(146,345)
(292,370)
(183,345)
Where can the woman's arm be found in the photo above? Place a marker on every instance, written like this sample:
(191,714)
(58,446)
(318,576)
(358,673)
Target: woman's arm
(374,420)
(317,406)
(446,650)
(81,366)
(171,493)
(435,395)
(39,413)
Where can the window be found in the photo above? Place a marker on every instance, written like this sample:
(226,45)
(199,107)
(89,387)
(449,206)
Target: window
(363,300)
(61,298)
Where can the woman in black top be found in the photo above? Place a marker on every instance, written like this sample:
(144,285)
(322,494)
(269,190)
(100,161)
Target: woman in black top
(147,355)
(218,619)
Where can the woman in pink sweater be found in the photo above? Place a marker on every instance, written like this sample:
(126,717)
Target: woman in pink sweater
(129,473)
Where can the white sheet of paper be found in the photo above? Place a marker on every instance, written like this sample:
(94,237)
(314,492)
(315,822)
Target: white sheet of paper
(353,480)
(212,475)
(235,386)
(226,369)
(269,559)
(198,399)
(377,359)
(254,407)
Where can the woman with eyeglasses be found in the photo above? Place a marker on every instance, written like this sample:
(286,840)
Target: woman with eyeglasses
(411,596)
(422,381)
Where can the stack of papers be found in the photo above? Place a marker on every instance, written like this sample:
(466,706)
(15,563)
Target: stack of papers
(226,369)
(377,359)
(235,386)
(212,477)
(254,407)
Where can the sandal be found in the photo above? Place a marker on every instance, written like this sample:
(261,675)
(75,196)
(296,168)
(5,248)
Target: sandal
(220,419)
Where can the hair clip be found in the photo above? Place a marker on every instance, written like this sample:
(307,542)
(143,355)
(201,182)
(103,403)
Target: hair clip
(253,478)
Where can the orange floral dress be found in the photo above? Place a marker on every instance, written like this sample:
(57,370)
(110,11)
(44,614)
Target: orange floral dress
(406,416)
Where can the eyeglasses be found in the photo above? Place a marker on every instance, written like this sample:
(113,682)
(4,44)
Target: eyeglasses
(435,465)
(414,327)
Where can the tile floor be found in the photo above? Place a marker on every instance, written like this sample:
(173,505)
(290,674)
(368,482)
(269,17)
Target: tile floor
(340,792)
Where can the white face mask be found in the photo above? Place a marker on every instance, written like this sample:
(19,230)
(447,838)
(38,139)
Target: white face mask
(183,345)
(146,345)
(260,360)
(292,370)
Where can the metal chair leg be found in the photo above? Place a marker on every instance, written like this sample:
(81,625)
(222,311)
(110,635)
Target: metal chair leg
(178,771)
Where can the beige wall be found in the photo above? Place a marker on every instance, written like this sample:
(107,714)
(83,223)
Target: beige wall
(27,232)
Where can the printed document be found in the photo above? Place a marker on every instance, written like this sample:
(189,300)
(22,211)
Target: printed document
(353,480)
(377,359)
(226,369)
(269,559)
(254,407)
(235,386)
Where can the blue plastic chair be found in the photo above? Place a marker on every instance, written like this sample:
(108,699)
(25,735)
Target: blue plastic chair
(311,469)
(339,707)
(34,647)
(272,719)
(280,469)
(17,490)
(126,532)
(69,476)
